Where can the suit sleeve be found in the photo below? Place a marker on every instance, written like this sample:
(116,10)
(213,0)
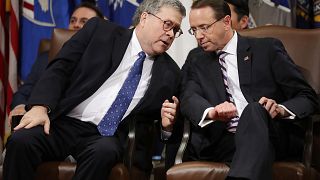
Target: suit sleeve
(193,103)
(51,86)
(301,98)
(24,91)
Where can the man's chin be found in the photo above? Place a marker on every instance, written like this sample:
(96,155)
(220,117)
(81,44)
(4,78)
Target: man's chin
(208,48)
(158,51)
(161,49)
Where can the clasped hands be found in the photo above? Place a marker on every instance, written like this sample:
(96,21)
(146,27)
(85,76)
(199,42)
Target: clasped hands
(226,110)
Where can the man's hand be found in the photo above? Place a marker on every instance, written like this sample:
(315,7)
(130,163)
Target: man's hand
(18,110)
(169,113)
(223,112)
(272,107)
(37,115)
(282,113)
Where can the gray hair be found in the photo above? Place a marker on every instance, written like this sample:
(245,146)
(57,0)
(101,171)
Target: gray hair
(153,6)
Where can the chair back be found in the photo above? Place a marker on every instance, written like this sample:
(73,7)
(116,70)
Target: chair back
(59,37)
(302,45)
(44,45)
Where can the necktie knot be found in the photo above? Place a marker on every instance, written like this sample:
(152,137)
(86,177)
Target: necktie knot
(221,54)
(142,55)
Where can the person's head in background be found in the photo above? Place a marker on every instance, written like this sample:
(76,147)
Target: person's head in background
(239,13)
(82,14)
(157,23)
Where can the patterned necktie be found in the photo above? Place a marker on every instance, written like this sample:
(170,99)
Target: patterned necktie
(112,118)
(233,123)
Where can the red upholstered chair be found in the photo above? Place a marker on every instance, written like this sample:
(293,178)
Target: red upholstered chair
(64,170)
(303,47)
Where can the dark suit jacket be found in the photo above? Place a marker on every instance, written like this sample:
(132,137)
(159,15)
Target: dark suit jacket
(24,91)
(264,68)
(87,60)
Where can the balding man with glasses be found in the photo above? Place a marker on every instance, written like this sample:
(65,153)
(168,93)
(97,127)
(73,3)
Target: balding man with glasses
(103,76)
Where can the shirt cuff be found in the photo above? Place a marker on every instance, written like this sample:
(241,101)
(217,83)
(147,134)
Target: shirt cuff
(165,134)
(292,115)
(204,122)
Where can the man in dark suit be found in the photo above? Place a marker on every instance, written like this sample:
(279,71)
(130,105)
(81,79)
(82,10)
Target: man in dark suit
(79,17)
(243,96)
(102,78)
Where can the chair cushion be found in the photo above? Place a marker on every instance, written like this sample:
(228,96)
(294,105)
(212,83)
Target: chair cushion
(65,171)
(56,170)
(218,171)
(293,171)
(198,170)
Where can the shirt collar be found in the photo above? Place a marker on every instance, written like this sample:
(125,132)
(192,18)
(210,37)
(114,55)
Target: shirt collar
(231,46)
(136,48)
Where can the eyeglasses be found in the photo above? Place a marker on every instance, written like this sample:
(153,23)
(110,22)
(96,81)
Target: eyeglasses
(202,29)
(168,25)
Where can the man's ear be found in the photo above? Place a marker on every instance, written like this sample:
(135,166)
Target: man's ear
(244,21)
(143,18)
(227,21)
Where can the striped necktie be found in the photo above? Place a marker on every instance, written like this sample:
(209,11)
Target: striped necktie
(109,123)
(233,123)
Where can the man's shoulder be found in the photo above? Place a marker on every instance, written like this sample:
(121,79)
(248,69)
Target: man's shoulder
(167,60)
(195,51)
(104,25)
(198,54)
(260,40)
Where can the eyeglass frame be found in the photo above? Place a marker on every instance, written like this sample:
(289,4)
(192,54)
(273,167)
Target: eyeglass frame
(174,28)
(202,28)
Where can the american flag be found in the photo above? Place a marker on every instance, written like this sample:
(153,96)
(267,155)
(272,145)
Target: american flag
(2,64)
(13,56)
(8,61)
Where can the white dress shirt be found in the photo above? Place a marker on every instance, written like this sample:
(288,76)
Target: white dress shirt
(96,106)
(233,81)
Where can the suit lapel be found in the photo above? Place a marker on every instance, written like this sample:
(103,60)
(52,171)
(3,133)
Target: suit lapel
(120,46)
(244,55)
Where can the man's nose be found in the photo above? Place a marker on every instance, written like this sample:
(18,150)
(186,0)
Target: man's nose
(170,33)
(198,35)
(76,26)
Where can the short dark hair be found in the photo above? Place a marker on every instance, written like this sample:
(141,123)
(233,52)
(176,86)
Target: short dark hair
(91,6)
(241,7)
(220,8)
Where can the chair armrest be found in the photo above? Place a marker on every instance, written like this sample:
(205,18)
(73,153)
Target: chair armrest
(131,144)
(316,145)
(184,141)
(1,152)
(307,151)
